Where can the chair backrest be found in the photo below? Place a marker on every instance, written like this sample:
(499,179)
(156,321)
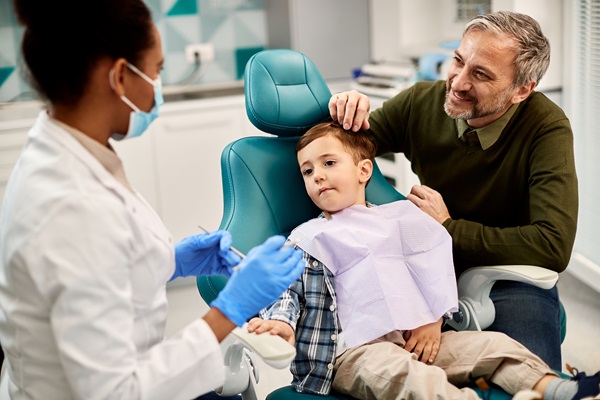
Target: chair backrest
(264,192)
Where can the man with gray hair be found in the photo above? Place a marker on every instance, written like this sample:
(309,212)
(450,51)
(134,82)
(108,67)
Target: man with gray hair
(495,162)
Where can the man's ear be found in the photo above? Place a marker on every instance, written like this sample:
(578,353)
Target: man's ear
(523,92)
(117,76)
(366,170)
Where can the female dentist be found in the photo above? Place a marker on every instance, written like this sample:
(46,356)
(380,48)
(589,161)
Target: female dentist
(83,258)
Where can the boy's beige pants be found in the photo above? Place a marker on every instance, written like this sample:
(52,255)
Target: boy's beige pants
(383,370)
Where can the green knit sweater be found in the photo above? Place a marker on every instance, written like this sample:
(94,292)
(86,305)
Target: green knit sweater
(514,203)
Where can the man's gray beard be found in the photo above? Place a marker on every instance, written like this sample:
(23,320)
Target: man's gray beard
(475,112)
(466,115)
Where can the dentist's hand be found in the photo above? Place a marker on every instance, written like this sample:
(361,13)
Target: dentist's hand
(205,254)
(263,275)
(351,110)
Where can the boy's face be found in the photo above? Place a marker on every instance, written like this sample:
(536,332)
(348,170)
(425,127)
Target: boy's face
(331,178)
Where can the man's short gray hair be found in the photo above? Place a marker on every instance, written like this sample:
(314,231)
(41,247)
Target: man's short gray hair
(533,48)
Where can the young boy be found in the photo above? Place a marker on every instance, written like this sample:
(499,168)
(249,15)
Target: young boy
(418,362)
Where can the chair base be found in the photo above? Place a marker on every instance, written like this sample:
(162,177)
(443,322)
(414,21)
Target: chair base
(289,393)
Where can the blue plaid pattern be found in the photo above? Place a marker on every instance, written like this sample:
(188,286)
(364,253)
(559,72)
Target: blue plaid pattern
(309,306)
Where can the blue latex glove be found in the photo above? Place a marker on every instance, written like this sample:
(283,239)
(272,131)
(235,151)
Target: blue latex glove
(264,274)
(205,254)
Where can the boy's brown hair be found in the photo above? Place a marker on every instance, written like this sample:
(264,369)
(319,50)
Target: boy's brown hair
(357,144)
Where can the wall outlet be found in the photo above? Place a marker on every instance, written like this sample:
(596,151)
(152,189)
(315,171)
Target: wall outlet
(205,52)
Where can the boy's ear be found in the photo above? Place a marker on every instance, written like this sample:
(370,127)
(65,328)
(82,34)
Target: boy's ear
(366,170)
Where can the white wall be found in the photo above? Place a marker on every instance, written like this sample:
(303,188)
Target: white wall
(410,28)
(406,27)
(549,13)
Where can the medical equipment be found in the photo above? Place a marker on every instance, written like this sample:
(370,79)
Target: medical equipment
(236,251)
(242,255)
(476,310)
(384,79)
(266,272)
(205,254)
(263,192)
(241,374)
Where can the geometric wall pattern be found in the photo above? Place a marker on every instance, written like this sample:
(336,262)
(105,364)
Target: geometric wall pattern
(236,28)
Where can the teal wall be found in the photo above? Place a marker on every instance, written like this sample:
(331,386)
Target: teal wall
(235,27)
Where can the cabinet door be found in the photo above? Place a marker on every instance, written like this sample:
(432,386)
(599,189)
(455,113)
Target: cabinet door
(13,135)
(395,166)
(188,148)
(138,157)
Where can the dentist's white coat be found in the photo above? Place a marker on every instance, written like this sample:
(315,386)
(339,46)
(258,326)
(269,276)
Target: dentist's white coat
(83,267)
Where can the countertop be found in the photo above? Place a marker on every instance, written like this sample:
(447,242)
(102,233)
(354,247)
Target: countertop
(207,94)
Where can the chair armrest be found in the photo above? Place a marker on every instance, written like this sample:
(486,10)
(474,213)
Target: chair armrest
(476,310)
(273,349)
(241,372)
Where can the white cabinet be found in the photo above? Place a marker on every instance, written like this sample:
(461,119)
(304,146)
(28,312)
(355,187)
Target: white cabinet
(14,125)
(395,166)
(138,156)
(188,152)
(176,165)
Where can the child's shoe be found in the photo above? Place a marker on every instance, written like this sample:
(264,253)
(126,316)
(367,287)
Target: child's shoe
(589,386)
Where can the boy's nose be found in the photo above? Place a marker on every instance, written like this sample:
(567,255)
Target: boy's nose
(318,176)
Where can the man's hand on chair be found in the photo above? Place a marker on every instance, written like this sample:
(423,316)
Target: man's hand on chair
(274,327)
(424,341)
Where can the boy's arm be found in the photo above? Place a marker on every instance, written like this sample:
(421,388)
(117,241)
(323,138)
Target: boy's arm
(281,317)
(274,327)
(287,307)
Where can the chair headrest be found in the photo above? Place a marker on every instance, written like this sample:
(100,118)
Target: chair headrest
(285,93)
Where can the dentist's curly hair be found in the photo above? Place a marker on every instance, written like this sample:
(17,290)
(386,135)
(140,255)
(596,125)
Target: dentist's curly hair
(532,47)
(358,144)
(65,39)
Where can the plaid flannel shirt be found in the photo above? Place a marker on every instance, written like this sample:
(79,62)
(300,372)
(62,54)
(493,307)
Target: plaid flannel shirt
(309,306)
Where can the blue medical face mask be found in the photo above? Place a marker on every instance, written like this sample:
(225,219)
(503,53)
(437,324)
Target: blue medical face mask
(140,120)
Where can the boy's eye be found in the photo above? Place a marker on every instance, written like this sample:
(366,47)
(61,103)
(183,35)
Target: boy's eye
(307,172)
(329,163)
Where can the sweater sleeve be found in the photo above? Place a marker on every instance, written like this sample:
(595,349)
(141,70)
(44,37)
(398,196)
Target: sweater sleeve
(388,123)
(534,216)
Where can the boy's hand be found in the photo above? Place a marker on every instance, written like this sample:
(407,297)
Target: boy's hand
(424,341)
(272,326)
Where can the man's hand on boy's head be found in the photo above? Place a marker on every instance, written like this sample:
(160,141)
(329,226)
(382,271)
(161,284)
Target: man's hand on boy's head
(424,341)
(272,326)
(351,110)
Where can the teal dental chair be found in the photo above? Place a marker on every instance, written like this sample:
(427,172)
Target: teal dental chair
(264,191)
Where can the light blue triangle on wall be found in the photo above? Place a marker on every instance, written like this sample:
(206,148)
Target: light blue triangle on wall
(5,73)
(183,7)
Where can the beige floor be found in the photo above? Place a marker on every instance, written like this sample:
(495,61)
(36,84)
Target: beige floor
(581,347)
(185,304)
